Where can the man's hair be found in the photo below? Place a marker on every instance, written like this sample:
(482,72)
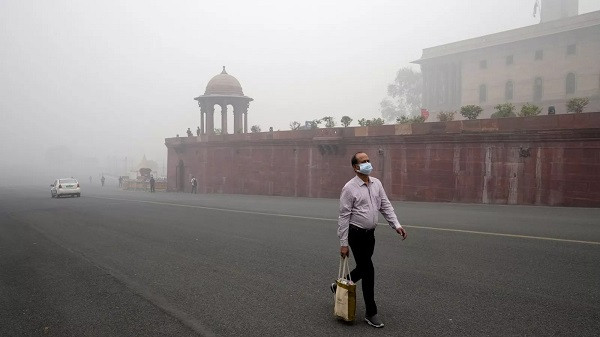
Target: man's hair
(354,159)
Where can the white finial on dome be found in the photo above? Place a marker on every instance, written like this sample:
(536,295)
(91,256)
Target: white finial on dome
(223,72)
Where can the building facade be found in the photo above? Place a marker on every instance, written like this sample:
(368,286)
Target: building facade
(545,64)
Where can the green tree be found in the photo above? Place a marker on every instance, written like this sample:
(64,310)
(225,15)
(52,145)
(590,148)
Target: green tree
(217,131)
(577,104)
(364,122)
(529,109)
(329,122)
(471,111)
(346,121)
(404,95)
(255,128)
(504,110)
(446,116)
(294,125)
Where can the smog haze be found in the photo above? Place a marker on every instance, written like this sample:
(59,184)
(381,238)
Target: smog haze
(105,82)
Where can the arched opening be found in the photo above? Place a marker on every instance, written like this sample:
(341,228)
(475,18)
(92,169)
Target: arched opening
(230,119)
(218,120)
(570,84)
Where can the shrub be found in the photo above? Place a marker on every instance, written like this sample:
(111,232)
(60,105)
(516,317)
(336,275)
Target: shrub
(408,120)
(329,122)
(314,124)
(471,111)
(255,128)
(504,110)
(577,104)
(346,120)
(371,122)
(295,125)
(377,121)
(446,116)
(530,110)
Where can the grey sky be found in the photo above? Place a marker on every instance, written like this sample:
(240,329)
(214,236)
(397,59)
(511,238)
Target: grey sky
(117,77)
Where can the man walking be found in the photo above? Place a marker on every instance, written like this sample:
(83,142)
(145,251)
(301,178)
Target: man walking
(361,199)
(194,185)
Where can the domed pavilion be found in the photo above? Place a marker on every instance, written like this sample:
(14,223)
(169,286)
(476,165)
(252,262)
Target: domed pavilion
(223,90)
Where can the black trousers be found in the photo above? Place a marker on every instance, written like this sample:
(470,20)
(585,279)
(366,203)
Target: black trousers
(194,189)
(362,243)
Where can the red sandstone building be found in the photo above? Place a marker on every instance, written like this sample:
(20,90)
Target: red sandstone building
(543,160)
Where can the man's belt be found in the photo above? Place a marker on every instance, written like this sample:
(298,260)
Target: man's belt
(359,229)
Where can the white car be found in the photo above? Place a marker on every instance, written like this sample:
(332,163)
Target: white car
(65,186)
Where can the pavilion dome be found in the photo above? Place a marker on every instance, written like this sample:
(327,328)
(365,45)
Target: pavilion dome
(224,84)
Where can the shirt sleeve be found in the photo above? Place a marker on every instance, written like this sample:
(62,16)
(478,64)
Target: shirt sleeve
(387,210)
(346,201)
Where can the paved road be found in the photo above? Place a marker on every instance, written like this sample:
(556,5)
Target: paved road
(118,263)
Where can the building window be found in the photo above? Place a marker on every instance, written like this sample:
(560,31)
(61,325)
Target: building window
(509,60)
(539,54)
(570,83)
(508,91)
(537,89)
(483,64)
(482,93)
(571,49)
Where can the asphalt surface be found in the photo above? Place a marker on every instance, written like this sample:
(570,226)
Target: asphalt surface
(122,263)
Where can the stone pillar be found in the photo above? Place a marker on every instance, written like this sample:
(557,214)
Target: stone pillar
(201,118)
(236,120)
(210,119)
(246,121)
(223,119)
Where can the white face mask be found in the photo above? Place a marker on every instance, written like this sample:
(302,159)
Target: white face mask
(365,168)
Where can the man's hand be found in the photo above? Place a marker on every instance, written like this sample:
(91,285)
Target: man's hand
(344,251)
(402,232)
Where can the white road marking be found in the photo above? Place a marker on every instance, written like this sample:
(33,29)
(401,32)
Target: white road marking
(506,235)
(335,220)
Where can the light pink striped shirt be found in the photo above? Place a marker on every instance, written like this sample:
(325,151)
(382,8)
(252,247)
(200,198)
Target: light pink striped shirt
(360,204)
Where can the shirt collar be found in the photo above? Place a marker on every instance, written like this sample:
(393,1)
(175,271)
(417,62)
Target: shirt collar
(360,182)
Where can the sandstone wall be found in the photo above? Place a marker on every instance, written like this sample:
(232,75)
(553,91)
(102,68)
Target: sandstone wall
(544,160)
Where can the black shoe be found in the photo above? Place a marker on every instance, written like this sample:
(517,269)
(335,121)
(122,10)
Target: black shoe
(374,321)
(333,287)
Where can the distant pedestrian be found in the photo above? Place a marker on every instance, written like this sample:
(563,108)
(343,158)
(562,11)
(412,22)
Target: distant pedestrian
(198,131)
(189,132)
(152,184)
(120,181)
(194,183)
(361,199)
(102,181)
